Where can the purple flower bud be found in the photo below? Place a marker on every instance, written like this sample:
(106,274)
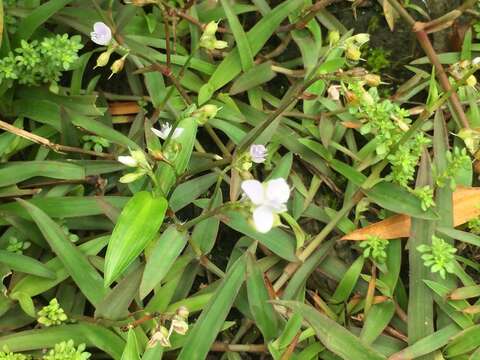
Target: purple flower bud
(258,153)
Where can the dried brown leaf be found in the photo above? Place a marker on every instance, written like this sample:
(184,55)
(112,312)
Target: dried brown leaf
(466,206)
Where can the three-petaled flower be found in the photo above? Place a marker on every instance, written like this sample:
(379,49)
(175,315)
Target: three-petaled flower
(258,153)
(268,199)
(165,130)
(101,34)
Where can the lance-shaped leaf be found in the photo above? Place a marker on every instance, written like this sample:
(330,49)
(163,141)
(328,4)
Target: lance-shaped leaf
(333,336)
(466,206)
(137,225)
(82,272)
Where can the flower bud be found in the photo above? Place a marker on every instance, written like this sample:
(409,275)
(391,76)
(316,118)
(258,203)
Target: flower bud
(211,28)
(117,66)
(140,158)
(128,160)
(183,312)
(353,53)
(471,81)
(372,80)
(333,37)
(131,177)
(360,39)
(220,44)
(103,58)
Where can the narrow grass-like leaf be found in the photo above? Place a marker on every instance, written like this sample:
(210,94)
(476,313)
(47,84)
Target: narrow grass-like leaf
(428,344)
(29,24)
(348,282)
(185,193)
(33,285)
(305,270)
(89,334)
(276,240)
(162,256)
(25,264)
(115,305)
(65,207)
(465,292)
(202,335)
(334,336)
(15,172)
(420,304)
(257,36)
(257,75)
(378,318)
(77,265)
(137,225)
(258,300)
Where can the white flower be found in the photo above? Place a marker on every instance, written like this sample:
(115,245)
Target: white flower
(476,61)
(268,199)
(258,153)
(161,336)
(128,160)
(101,34)
(165,130)
(179,325)
(334,92)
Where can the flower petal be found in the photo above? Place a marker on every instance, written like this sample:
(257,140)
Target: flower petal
(263,218)
(277,191)
(128,160)
(254,190)
(159,133)
(101,35)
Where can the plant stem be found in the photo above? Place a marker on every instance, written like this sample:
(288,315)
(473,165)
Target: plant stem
(426,44)
(45,142)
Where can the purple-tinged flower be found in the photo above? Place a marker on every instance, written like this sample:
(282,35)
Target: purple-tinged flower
(101,34)
(258,153)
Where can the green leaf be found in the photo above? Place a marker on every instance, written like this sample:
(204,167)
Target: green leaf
(428,344)
(137,225)
(25,264)
(162,256)
(77,265)
(37,17)
(241,40)
(204,332)
(15,172)
(348,282)
(257,37)
(276,240)
(395,198)
(258,300)
(66,207)
(131,348)
(257,75)
(377,319)
(33,285)
(420,301)
(88,334)
(115,305)
(188,191)
(333,336)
